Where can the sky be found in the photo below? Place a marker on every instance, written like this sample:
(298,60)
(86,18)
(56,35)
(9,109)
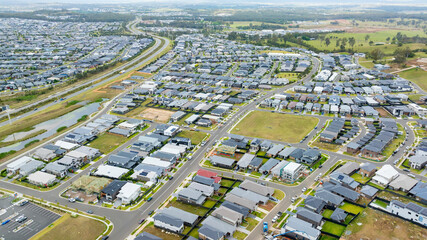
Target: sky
(300,2)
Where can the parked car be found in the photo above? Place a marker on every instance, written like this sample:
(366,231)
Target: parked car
(23,203)
(150,212)
(21,219)
(105,237)
(90,211)
(304,189)
(72,200)
(141,221)
(274,219)
(279,214)
(149,199)
(171,177)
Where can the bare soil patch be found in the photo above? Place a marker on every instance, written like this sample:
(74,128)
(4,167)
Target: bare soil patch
(157,115)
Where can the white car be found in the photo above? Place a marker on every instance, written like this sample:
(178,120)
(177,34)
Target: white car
(274,219)
(304,189)
(72,200)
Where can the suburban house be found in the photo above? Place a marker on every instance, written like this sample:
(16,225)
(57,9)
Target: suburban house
(385,175)
(111,191)
(191,196)
(411,211)
(168,223)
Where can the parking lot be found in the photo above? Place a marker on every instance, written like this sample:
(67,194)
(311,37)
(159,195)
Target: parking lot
(37,219)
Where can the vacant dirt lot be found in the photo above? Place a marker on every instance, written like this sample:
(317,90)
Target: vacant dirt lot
(372,224)
(157,115)
(383,112)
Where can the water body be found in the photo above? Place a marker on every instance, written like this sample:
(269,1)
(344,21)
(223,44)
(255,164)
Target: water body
(52,125)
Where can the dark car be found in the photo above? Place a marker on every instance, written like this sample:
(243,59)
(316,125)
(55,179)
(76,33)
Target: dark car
(320,166)
(23,203)
(149,199)
(171,177)
(90,211)
(105,237)
(150,212)
(141,221)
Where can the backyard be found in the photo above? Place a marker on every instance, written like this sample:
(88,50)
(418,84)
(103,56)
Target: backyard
(275,126)
(333,228)
(351,208)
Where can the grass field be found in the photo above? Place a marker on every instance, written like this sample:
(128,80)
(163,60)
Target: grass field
(71,228)
(187,207)
(363,46)
(351,208)
(275,126)
(333,228)
(107,142)
(418,76)
(372,224)
(196,137)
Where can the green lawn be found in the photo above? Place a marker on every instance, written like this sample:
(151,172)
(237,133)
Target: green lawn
(418,76)
(239,235)
(376,185)
(209,203)
(107,142)
(333,228)
(275,126)
(278,194)
(351,208)
(327,213)
(360,178)
(251,223)
(196,137)
(381,203)
(187,207)
(226,183)
(367,63)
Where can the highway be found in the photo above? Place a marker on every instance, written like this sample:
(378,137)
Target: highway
(126,221)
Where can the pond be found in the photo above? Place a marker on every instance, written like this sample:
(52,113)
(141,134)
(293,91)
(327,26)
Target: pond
(52,125)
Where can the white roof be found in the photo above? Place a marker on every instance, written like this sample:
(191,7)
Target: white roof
(66,145)
(386,174)
(156,162)
(291,167)
(110,171)
(41,177)
(128,190)
(181,148)
(15,165)
(76,154)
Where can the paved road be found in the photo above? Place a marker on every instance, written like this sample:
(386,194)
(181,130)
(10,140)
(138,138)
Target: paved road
(126,222)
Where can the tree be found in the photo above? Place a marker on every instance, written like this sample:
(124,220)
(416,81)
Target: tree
(327,41)
(401,54)
(367,37)
(337,43)
(351,41)
(377,54)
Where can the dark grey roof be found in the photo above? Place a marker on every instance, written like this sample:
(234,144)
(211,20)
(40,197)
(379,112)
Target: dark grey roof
(211,233)
(303,212)
(338,215)
(114,187)
(168,219)
(147,236)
